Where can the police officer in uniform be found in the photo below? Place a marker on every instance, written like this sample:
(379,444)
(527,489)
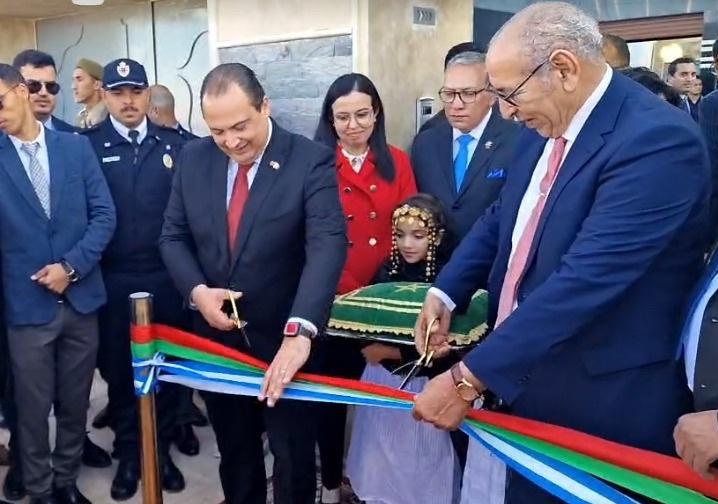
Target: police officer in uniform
(137,158)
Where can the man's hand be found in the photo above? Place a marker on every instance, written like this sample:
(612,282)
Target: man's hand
(292,355)
(377,352)
(433,308)
(52,277)
(440,404)
(696,437)
(209,302)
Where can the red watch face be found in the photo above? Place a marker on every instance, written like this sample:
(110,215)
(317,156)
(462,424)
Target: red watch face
(291,329)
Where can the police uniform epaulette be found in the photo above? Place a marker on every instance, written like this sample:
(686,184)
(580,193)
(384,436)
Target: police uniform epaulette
(168,130)
(91,129)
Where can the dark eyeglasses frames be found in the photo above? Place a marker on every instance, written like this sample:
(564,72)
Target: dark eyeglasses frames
(508,98)
(465,95)
(2,96)
(34,86)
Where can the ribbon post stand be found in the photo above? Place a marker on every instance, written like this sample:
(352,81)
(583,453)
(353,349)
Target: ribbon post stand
(141,305)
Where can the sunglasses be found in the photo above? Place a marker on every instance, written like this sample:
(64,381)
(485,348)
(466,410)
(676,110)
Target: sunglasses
(34,86)
(2,96)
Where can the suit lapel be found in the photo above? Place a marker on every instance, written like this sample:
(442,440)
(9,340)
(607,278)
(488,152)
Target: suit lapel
(445,156)
(218,166)
(274,155)
(485,148)
(10,162)
(590,139)
(56,160)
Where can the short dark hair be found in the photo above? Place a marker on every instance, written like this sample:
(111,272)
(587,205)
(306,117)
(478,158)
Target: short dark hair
(36,59)
(651,81)
(221,77)
(327,134)
(673,65)
(10,75)
(462,48)
(620,45)
(715,49)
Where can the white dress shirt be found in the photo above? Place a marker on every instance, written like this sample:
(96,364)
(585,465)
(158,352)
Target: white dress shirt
(355,161)
(124,131)
(690,345)
(42,155)
(475,135)
(533,190)
(233,168)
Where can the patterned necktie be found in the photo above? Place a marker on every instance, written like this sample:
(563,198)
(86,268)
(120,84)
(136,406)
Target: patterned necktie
(240,193)
(38,177)
(517,267)
(461,163)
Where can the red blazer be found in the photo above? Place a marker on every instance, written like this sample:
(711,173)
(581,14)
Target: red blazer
(368,201)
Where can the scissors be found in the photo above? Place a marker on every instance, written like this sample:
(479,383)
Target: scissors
(235,317)
(424,360)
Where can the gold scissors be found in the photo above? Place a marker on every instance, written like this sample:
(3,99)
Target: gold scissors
(238,321)
(424,360)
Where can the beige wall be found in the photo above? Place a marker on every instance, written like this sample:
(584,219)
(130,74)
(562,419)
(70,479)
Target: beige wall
(15,35)
(265,20)
(406,62)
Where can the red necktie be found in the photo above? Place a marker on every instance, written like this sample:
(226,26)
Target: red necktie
(517,267)
(240,193)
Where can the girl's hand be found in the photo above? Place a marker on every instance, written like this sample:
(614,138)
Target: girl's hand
(377,352)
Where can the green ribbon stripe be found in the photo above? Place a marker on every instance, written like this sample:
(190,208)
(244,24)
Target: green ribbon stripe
(658,490)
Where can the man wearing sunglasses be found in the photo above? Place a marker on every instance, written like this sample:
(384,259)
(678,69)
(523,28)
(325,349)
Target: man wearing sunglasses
(56,217)
(588,255)
(464,160)
(38,70)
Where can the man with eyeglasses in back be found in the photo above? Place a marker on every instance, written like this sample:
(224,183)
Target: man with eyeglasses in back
(463,162)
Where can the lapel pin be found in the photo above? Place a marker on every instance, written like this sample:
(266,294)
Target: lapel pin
(107,144)
(274,165)
(488,145)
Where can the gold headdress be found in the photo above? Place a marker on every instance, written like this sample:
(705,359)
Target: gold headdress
(411,214)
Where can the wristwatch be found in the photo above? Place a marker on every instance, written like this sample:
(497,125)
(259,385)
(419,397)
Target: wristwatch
(465,389)
(69,271)
(293,329)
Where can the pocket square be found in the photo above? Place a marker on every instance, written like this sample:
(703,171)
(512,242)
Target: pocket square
(496,173)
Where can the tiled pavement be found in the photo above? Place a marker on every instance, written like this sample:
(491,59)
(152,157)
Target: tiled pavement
(200,472)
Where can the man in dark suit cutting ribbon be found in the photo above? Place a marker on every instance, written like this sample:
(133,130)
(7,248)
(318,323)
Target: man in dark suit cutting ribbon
(255,210)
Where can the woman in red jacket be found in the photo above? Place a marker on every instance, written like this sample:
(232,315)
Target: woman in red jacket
(374,177)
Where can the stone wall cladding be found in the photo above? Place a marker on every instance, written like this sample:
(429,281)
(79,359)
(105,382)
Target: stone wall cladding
(296,75)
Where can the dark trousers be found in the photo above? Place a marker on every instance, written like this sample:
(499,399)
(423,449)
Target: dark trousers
(52,365)
(238,423)
(342,358)
(115,357)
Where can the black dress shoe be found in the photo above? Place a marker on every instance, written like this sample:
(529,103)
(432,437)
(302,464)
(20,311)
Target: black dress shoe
(198,419)
(102,419)
(172,479)
(124,484)
(48,499)
(186,440)
(13,487)
(70,495)
(94,456)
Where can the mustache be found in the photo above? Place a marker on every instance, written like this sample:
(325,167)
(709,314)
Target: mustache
(129,109)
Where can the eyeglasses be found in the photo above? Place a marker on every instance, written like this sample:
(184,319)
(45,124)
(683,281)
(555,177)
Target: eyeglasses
(508,98)
(34,86)
(465,95)
(363,118)
(2,96)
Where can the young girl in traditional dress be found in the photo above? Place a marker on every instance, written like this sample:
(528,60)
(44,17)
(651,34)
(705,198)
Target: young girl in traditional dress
(393,459)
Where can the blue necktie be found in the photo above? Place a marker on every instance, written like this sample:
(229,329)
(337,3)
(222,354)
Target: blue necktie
(461,162)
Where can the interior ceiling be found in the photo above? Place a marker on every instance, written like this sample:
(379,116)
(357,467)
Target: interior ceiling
(38,9)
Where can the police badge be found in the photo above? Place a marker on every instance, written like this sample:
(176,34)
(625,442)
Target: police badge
(123,69)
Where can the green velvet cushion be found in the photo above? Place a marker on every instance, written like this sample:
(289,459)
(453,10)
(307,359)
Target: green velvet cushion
(391,309)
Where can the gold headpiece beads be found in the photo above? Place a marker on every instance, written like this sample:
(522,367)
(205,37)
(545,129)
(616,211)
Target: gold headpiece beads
(410,215)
